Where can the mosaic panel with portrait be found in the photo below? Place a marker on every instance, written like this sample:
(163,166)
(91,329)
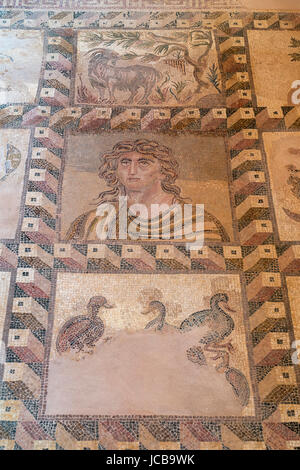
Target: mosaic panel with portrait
(148,169)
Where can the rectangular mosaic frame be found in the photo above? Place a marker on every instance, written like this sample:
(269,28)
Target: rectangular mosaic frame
(143,418)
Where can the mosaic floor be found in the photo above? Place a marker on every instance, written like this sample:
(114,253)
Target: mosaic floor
(147,341)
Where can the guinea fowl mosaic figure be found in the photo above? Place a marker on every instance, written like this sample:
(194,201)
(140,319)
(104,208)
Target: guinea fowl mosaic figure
(221,326)
(83,330)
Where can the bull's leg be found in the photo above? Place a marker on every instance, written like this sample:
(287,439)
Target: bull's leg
(143,100)
(147,91)
(132,96)
(101,94)
(111,91)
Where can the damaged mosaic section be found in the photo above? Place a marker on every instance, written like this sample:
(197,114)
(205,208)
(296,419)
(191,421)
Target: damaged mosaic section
(132,348)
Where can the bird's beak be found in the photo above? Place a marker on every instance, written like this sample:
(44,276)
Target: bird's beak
(229,308)
(108,305)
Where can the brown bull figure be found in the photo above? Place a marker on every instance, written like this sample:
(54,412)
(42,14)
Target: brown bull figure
(103,74)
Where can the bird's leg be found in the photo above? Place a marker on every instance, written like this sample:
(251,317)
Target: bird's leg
(91,351)
(80,355)
(80,346)
(224,364)
(106,339)
(213,350)
(220,355)
(227,346)
(217,356)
